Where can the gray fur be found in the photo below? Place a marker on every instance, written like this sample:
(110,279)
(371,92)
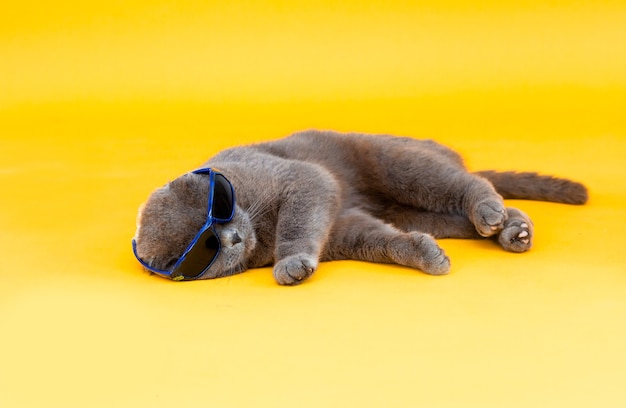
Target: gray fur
(321,196)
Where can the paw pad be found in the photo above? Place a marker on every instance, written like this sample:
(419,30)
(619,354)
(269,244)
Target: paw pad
(516,236)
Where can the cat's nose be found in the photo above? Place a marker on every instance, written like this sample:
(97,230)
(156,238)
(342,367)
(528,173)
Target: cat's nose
(235,238)
(231,237)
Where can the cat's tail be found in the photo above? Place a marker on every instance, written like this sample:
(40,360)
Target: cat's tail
(532,186)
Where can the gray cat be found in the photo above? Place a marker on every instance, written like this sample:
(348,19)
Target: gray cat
(321,196)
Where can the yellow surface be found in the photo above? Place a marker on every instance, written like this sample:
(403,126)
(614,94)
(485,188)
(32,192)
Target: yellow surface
(101,103)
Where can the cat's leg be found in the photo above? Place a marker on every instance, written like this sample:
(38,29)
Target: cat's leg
(407,218)
(437,184)
(516,235)
(359,236)
(431,177)
(307,211)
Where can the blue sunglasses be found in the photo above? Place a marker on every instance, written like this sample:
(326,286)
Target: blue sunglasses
(206,245)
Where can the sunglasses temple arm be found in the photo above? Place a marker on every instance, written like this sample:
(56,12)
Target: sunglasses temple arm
(148,267)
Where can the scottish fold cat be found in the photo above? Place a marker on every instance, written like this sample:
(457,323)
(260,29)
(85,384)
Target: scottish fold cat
(322,196)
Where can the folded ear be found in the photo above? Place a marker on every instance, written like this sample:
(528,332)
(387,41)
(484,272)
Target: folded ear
(171,217)
(191,189)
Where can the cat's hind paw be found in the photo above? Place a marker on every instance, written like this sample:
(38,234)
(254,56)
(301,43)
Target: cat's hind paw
(434,260)
(517,235)
(294,269)
(420,251)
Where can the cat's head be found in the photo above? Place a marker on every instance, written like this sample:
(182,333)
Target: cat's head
(173,215)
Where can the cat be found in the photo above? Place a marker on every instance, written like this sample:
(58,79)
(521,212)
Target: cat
(322,196)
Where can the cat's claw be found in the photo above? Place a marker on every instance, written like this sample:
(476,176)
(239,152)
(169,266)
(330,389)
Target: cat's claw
(294,269)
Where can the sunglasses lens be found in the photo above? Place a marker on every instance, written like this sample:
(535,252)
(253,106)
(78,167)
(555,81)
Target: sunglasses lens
(200,256)
(223,200)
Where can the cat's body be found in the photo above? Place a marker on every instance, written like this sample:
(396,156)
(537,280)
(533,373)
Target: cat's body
(326,196)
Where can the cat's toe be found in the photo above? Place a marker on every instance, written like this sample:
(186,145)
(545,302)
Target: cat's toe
(489,217)
(439,264)
(517,235)
(294,269)
(427,255)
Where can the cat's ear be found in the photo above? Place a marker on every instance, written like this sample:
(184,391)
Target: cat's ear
(181,185)
(188,188)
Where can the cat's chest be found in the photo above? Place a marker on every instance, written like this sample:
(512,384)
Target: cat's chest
(263,254)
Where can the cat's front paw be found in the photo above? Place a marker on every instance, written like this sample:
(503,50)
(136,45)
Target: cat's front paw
(488,217)
(294,269)
(517,235)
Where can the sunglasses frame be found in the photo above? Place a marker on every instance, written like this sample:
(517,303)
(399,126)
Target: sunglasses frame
(208,225)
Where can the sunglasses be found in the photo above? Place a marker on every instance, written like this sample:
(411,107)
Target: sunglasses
(206,245)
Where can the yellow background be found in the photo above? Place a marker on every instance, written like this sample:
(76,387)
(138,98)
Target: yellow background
(102,102)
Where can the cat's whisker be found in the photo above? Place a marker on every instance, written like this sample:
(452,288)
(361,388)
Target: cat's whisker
(259,204)
(238,269)
(232,266)
(259,207)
